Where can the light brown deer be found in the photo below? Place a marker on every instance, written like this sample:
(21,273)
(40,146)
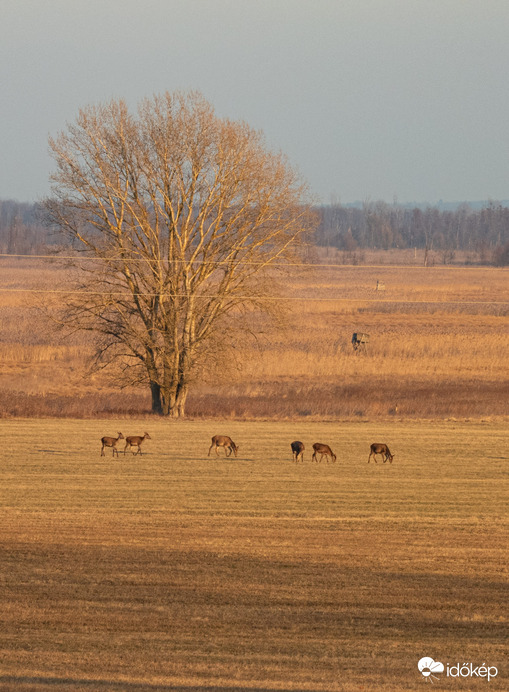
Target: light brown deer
(226,442)
(135,441)
(111,442)
(324,451)
(297,450)
(379,448)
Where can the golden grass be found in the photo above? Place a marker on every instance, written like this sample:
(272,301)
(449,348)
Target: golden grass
(175,570)
(439,346)
(11,354)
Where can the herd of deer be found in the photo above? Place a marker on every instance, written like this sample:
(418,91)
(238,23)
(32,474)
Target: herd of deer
(326,451)
(230,448)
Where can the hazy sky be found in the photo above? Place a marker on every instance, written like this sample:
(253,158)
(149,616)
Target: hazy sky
(369,99)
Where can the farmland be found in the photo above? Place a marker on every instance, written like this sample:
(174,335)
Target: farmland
(173,570)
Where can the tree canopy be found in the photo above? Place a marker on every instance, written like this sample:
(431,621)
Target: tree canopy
(183,212)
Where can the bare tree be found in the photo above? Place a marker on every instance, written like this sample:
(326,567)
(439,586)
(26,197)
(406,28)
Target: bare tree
(183,213)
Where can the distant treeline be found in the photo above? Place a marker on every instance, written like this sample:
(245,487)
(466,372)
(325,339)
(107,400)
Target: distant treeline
(483,233)
(22,231)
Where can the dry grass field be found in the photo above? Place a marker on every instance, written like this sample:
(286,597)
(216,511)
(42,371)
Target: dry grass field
(175,571)
(439,348)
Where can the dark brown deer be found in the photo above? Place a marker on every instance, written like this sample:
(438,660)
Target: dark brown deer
(226,442)
(379,448)
(298,450)
(324,451)
(135,441)
(111,442)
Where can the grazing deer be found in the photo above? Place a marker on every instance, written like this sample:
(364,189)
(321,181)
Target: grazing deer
(135,441)
(226,442)
(324,450)
(378,448)
(111,442)
(297,450)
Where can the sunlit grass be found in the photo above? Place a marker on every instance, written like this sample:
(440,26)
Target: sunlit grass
(445,328)
(173,568)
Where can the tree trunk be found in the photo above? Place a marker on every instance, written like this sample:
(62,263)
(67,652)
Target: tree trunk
(181,401)
(155,390)
(174,406)
(168,402)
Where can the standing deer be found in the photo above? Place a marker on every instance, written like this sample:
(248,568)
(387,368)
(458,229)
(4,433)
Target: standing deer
(324,450)
(226,442)
(135,441)
(297,450)
(111,442)
(379,448)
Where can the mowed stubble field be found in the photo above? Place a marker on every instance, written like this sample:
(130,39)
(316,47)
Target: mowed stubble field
(176,571)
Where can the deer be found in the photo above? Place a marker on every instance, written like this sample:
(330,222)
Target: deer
(297,450)
(324,451)
(226,442)
(135,441)
(111,442)
(379,448)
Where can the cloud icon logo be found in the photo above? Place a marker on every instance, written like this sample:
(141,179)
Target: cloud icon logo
(429,667)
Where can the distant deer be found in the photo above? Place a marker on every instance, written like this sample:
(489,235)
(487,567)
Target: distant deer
(324,451)
(297,450)
(223,441)
(379,448)
(135,441)
(111,442)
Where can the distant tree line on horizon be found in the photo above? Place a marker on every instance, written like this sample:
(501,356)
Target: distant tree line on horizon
(483,233)
(22,230)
